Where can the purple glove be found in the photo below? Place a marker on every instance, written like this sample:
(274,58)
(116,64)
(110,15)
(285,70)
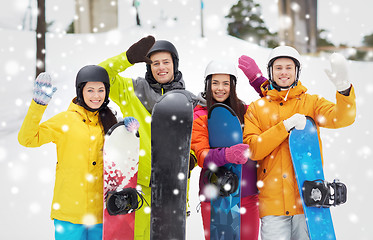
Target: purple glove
(249,68)
(238,154)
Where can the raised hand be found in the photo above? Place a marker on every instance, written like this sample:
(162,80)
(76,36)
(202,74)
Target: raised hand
(339,73)
(138,51)
(43,89)
(249,68)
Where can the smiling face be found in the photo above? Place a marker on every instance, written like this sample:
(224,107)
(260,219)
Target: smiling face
(284,72)
(94,94)
(220,87)
(162,67)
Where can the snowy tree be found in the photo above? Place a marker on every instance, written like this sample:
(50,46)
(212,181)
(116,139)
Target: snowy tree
(245,22)
(322,40)
(368,40)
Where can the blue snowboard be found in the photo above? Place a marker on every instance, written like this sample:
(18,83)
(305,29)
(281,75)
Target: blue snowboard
(306,156)
(224,131)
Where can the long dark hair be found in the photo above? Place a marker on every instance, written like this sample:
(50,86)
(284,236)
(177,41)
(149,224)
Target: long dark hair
(232,101)
(107,118)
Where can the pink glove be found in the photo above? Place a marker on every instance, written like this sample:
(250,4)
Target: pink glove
(249,68)
(238,154)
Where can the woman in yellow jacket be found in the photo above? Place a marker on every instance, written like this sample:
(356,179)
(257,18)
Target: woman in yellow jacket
(267,124)
(78,133)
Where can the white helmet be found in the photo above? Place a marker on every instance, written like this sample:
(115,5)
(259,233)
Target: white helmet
(287,52)
(220,67)
(284,51)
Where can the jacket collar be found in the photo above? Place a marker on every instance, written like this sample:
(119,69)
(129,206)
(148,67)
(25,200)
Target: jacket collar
(285,95)
(87,116)
(177,83)
(163,88)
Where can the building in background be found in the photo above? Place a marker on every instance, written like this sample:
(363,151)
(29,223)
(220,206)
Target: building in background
(298,24)
(93,16)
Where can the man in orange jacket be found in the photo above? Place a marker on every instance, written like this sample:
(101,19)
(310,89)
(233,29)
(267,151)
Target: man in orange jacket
(267,124)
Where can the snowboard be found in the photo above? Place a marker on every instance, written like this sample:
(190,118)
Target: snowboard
(306,156)
(121,159)
(225,130)
(171,129)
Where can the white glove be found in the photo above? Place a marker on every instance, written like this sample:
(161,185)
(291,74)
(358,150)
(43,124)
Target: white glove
(339,74)
(43,89)
(297,121)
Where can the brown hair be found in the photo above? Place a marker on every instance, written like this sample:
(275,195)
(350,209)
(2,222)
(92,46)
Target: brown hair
(107,118)
(232,101)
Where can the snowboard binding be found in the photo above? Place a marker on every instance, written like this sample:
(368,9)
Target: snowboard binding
(320,193)
(225,180)
(124,201)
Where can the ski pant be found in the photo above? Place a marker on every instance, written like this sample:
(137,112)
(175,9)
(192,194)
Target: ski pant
(284,228)
(249,220)
(142,216)
(71,231)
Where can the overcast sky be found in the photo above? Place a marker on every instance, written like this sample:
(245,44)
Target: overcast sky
(347,21)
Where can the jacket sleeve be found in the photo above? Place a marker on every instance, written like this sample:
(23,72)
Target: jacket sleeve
(118,84)
(257,85)
(340,114)
(31,133)
(261,143)
(201,147)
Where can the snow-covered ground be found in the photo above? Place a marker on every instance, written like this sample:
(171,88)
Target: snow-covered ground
(27,175)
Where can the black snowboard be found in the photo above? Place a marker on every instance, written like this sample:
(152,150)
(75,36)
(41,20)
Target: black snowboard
(171,130)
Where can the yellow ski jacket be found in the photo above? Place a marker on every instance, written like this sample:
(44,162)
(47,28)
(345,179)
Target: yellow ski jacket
(267,137)
(79,137)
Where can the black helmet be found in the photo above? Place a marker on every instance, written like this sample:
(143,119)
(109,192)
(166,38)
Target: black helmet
(163,46)
(91,73)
